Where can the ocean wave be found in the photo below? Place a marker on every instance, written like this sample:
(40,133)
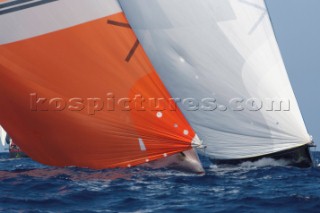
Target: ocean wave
(263,186)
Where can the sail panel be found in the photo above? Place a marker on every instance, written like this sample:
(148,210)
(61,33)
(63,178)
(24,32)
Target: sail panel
(70,90)
(222,54)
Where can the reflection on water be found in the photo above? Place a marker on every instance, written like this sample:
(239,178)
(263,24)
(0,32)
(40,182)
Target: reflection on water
(67,173)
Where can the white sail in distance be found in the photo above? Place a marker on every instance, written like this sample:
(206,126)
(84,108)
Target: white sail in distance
(4,147)
(224,50)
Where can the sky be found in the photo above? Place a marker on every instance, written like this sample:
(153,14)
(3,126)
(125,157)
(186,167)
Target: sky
(297,27)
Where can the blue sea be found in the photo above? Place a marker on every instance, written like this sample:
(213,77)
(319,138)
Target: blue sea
(263,186)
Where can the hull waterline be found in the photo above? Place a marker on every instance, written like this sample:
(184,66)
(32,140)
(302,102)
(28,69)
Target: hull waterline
(297,157)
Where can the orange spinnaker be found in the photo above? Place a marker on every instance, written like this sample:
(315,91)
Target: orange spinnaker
(87,61)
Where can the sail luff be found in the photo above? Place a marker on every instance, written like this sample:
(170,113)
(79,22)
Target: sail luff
(288,77)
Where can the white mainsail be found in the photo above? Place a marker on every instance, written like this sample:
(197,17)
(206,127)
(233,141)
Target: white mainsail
(226,50)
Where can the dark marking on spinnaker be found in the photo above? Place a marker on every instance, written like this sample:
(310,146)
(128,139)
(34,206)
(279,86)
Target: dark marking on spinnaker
(13,3)
(136,44)
(18,5)
(119,24)
(133,50)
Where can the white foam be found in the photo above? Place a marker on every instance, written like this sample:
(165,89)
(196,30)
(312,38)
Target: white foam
(265,162)
(244,167)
